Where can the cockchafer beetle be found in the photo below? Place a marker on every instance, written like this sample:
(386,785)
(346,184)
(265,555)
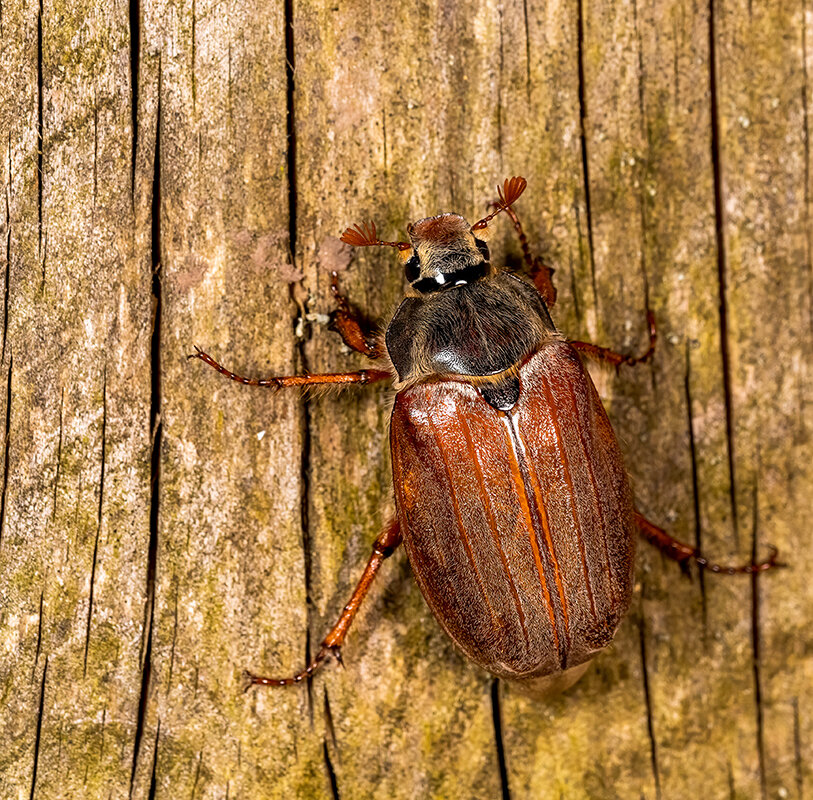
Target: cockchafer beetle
(510,490)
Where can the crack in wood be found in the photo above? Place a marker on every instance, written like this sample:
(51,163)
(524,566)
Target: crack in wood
(650,722)
(174,634)
(806,142)
(698,523)
(6,447)
(154,770)
(499,742)
(98,523)
(755,645)
(8,252)
(583,139)
(156,428)
(39,641)
(331,772)
(329,726)
(58,451)
(197,775)
(722,271)
(527,52)
(39,134)
(134,13)
(39,731)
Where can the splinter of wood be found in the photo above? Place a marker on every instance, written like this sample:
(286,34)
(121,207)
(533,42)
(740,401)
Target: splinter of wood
(363,376)
(616,359)
(347,323)
(384,546)
(683,553)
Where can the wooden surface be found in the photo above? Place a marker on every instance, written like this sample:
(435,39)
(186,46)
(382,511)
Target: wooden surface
(666,145)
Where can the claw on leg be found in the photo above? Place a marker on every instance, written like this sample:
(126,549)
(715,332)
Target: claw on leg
(384,546)
(616,359)
(683,553)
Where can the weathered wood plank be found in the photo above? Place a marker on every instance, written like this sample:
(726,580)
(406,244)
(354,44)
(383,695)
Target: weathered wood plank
(763,92)
(75,497)
(242,550)
(229,582)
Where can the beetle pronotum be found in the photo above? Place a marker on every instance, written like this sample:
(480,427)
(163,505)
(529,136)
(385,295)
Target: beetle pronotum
(511,497)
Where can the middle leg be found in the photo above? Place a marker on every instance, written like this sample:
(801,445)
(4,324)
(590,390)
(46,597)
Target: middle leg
(362,376)
(347,323)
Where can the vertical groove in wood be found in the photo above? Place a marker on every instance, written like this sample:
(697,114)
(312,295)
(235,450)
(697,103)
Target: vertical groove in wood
(174,173)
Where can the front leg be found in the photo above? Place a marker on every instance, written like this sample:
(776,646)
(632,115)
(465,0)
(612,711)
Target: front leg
(348,324)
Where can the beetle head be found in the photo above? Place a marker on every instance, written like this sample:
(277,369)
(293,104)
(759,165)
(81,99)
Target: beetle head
(443,251)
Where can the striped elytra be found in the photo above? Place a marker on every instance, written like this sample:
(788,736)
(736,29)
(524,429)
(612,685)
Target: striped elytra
(518,524)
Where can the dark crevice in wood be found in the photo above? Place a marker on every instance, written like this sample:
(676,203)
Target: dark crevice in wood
(698,525)
(174,634)
(496,719)
(798,771)
(585,159)
(39,641)
(722,272)
(38,737)
(329,726)
(154,770)
(98,523)
(135,55)
(101,743)
(305,418)
(290,96)
(732,793)
(6,445)
(755,646)
(331,773)
(197,775)
(641,171)
(95,148)
(806,140)
(194,58)
(650,722)
(384,140)
(155,427)
(527,51)
(39,131)
(8,252)
(59,450)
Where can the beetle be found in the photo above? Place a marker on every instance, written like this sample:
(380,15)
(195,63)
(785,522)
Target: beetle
(511,496)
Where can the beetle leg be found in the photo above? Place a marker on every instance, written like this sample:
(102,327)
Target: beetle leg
(683,553)
(383,547)
(541,273)
(363,376)
(616,359)
(347,323)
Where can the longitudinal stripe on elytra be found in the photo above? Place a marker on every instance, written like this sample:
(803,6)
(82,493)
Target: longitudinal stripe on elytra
(565,461)
(484,499)
(522,496)
(461,527)
(596,494)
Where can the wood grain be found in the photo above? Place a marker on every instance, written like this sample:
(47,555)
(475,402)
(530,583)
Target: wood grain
(175,173)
